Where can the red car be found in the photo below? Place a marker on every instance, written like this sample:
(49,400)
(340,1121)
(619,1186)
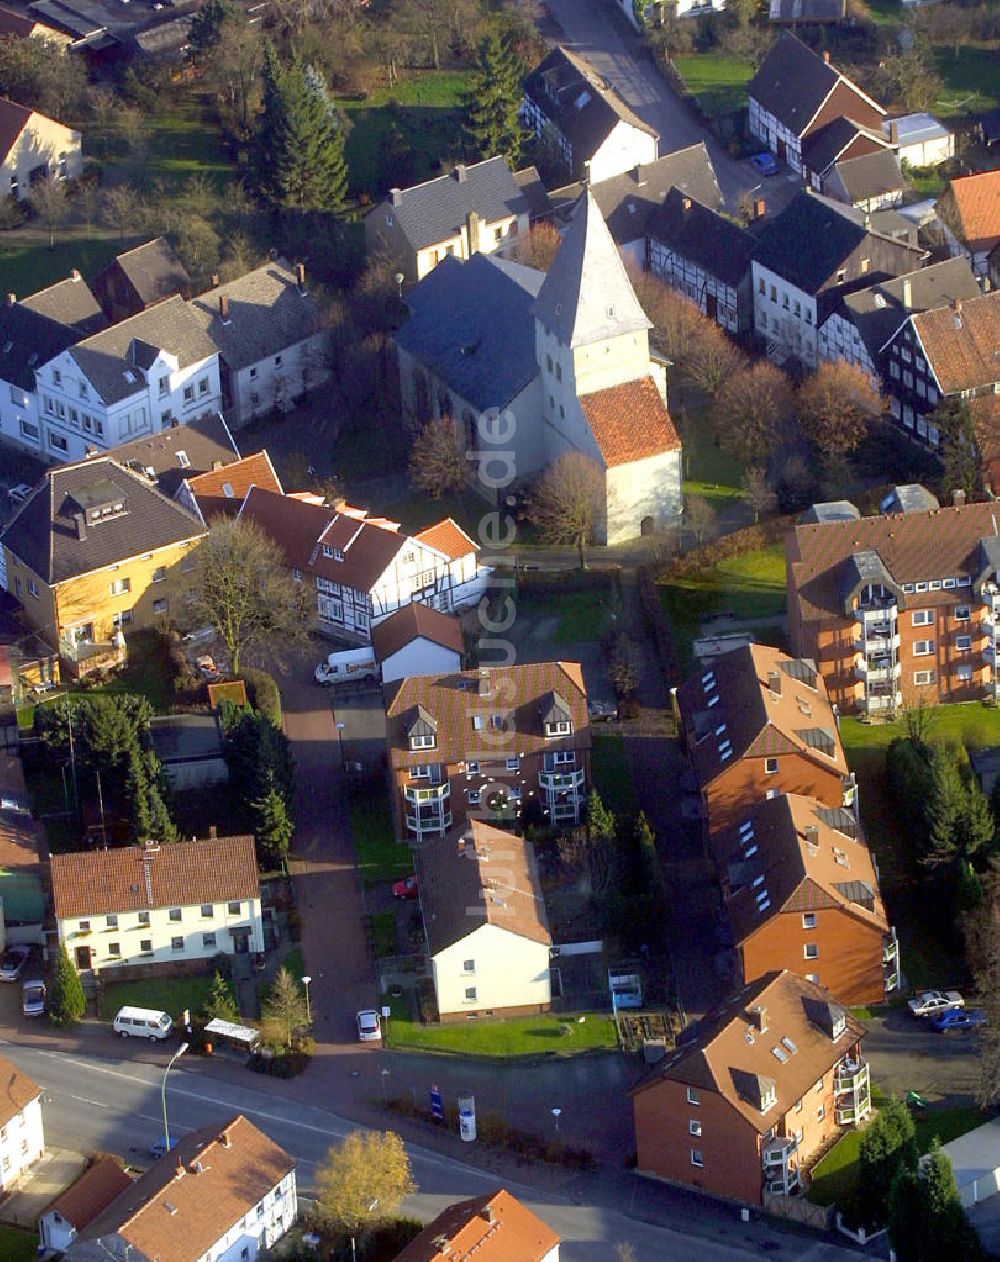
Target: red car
(406,888)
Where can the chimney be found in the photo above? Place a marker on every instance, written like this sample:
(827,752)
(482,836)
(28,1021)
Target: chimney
(907,294)
(958,497)
(460,173)
(11,299)
(812,835)
(686,204)
(224,308)
(774,681)
(300,277)
(217,465)
(81,526)
(224,1140)
(759,208)
(396,196)
(758,1018)
(215,280)
(472,229)
(638,176)
(484,683)
(488,1213)
(956,304)
(894,132)
(179,1170)
(826,55)
(74,275)
(213,832)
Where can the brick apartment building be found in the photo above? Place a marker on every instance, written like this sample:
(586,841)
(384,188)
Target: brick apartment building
(483,744)
(757,723)
(898,609)
(800,892)
(764,1084)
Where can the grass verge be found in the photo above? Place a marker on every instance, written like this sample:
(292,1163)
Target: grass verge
(971,81)
(383,934)
(164,994)
(521,1036)
(17,1245)
(751,585)
(613,774)
(708,470)
(380,856)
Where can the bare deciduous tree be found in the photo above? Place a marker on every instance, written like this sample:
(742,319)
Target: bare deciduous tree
(712,359)
(836,406)
(438,461)
(677,322)
(756,492)
(567,501)
(701,516)
(48,200)
(750,411)
(122,208)
(539,247)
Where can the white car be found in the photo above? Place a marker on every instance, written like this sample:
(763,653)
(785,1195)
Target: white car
(369,1026)
(18,494)
(13,961)
(931,1002)
(33,999)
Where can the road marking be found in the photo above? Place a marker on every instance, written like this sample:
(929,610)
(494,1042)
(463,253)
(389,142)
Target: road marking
(98,1104)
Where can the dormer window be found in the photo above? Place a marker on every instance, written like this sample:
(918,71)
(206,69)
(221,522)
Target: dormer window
(557,719)
(560,728)
(421,729)
(425,741)
(332,553)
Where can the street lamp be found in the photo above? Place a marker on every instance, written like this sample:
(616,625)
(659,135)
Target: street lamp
(399,278)
(385,1074)
(340,737)
(305,982)
(163,1092)
(354,1252)
(556,1114)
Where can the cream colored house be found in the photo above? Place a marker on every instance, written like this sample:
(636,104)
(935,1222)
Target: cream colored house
(22,1139)
(148,905)
(471,210)
(485,924)
(36,148)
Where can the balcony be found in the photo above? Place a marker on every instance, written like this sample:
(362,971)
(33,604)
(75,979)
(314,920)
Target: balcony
(878,670)
(852,1091)
(418,791)
(429,823)
(890,963)
(560,781)
(876,612)
(780,1165)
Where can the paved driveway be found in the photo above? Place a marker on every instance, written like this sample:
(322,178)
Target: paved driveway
(907,1055)
(592,31)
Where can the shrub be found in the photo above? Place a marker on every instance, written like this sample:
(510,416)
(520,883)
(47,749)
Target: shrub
(263,693)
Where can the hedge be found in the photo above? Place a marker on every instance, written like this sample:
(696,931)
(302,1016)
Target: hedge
(263,694)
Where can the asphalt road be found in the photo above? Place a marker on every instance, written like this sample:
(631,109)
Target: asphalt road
(114,1105)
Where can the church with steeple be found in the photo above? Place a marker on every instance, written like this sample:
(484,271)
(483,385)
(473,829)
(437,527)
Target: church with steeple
(565,355)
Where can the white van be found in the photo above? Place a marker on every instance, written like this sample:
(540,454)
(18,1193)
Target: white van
(348,666)
(142,1023)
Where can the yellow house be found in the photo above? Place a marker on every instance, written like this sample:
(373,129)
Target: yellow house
(34,147)
(95,551)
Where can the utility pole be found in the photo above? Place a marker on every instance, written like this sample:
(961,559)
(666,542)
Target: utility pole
(100,801)
(72,761)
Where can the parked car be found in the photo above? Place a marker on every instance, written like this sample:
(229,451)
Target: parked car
(33,999)
(958,1019)
(158,1148)
(765,164)
(932,1002)
(601,711)
(13,961)
(407,888)
(18,494)
(348,666)
(369,1026)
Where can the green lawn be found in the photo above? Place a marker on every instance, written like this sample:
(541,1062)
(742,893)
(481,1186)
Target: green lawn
(972,723)
(582,616)
(748,586)
(383,934)
(148,672)
(708,470)
(613,773)
(521,1036)
(17,1245)
(164,994)
(380,857)
(971,83)
(886,13)
(927,181)
(425,109)
(835,1178)
(28,265)
(717,80)
(417,511)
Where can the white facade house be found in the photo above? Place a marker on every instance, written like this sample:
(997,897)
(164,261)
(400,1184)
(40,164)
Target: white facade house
(76,1208)
(22,1138)
(417,640)
(272,347)
(158,905)
(572,108)
(222,1194)
(138,377)
(920,140)
(484,917)
(35,147)
(784,314)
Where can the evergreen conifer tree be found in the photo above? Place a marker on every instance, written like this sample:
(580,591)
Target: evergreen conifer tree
(272,826)
(66,1001)
(491,123)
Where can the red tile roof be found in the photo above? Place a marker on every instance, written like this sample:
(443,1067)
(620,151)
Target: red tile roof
(630,422)
(17,1091)
(413,622)
(971,204)
(221,491)
(13,120)
(491,1228)
(962,342)
(184,1204)
(133,878)
(18,24)
(92,1193)
(985,409)
(301,530)
(447,537)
